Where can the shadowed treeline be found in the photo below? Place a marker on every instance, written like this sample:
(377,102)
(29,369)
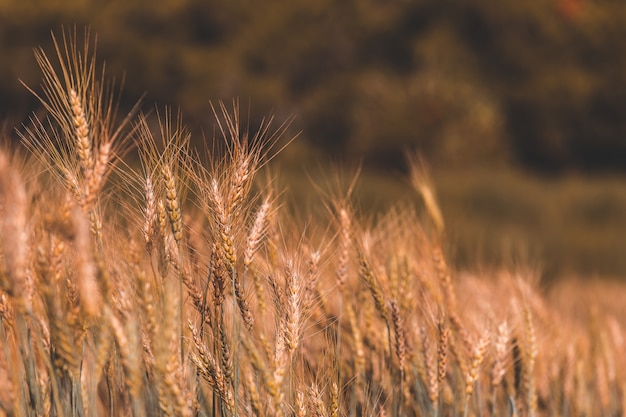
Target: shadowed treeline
(536,83)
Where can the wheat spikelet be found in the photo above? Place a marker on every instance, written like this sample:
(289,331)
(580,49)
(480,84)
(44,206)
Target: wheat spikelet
(62,341)
(478,354)
(90,298)
(167,359)
(273,383)
(257,232)
(292,314)
(465,340)
(72,183)
(359,350)
(98,174)
(210,370)
(219,279)
(260,294)
(244,307)
(126,339)
(501,343)
(81,133)
(253,395)
(367,274)
(172,203)
(443,273)
(150,214)
(103,350)
(14,229)
(192,288)
(530,357)
(225,354)
(144,290)
(256,361)
(442,351)
(400,333)
(317,404)
(241,173)
(341,272)
(430,368)
(175,393)
(301,406)
(311,281)
(273,237)
(334,400)
(223,223)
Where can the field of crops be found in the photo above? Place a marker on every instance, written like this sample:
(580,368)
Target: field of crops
(188,285)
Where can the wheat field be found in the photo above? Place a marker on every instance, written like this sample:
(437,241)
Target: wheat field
(182,285)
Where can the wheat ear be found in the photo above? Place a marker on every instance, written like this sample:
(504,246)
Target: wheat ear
(211,371)
(430,367)
(292,312)
(81,132)
(530,357)
(401,349)
(14,228)
(478,354)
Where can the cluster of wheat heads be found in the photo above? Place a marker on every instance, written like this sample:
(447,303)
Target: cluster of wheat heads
(182,288)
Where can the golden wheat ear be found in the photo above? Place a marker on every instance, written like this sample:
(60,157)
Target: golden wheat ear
(81,139)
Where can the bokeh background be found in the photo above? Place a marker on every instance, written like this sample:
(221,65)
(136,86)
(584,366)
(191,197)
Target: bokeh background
(518,106)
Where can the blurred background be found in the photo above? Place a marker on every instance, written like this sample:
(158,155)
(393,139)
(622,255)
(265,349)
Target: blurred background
(517,106)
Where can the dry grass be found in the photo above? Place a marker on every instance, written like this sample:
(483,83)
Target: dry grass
(180,289)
